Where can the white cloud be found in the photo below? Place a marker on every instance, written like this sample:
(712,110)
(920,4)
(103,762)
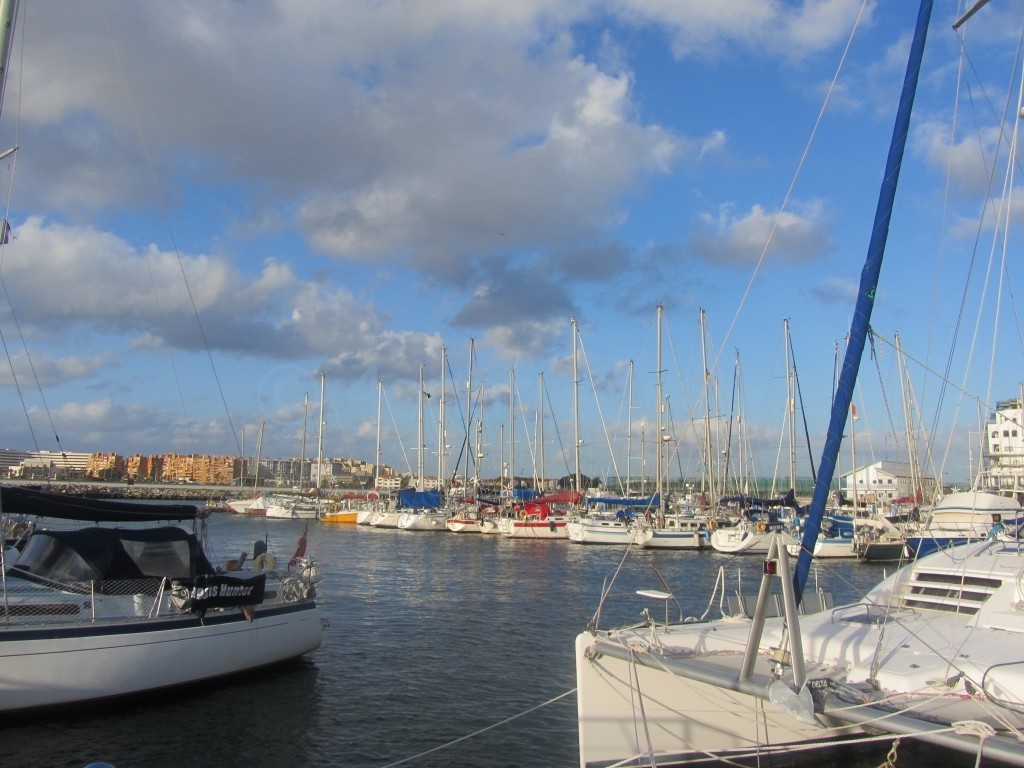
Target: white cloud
(798,234)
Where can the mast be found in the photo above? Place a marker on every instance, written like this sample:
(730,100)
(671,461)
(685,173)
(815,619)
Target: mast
(908,424)
(479,445)
(790,406)
(709,472)
(853,456)
(420,445)
(576,406)
(8,12)
(661,432)
(865,303)
(629,433)
(469,412)
(441,444)
(542,486)
(320,438)
(742,483)
(376,463)
(259,453)
(512,432)
(302,455)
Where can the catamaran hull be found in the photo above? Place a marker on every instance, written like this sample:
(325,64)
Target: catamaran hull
(52,666)
(681,720)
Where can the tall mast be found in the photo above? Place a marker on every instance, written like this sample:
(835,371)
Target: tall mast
(259,455)
(8,12)
(908,424)
(629,434)
(441,437)
(661,432)
(542,485)
(576,406)
(708,461)
(469,411)
(420,445)
(479,445)
(790,407)
(302,456)
(320,436)
(865,302)
(512,432)
(376,463)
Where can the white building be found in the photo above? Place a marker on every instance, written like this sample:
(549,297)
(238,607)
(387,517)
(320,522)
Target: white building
(47,464)
(884,481)
(1004,448)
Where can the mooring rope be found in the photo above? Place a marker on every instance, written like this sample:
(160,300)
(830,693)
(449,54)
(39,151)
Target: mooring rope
(480,731)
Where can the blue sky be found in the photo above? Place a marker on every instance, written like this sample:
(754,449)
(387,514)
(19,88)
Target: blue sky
(348,186)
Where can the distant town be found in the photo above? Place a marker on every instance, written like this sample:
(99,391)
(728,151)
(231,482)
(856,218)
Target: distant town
(877,482)
(170,468)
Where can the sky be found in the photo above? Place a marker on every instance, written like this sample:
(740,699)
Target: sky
(214,204)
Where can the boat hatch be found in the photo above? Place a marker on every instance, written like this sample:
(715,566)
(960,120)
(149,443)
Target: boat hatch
(957,593)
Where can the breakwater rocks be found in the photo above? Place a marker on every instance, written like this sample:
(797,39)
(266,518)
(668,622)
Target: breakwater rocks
(191,494)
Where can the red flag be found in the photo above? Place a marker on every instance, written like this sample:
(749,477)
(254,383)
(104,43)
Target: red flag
(300,550)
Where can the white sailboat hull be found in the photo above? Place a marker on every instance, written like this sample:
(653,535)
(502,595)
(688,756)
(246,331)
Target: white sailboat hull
(387,519)
(741,540)
(602,531)
(422,521)
(76,663)
(534,529)
(462,525)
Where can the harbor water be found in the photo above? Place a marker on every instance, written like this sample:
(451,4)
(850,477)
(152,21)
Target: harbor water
(438,650)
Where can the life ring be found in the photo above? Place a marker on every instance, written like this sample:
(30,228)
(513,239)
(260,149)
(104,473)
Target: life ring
(761,527)
(712,524)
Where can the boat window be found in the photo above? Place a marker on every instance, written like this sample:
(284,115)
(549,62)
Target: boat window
(160,558)
(50,558)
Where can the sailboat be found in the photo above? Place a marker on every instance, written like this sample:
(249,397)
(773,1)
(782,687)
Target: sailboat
(254,505)
(670,531)
(129,603)
(931,653)
(422,509)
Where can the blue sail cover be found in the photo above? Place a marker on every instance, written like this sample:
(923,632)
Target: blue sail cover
(525,494)
(624,501)
(413,499)
(789,500)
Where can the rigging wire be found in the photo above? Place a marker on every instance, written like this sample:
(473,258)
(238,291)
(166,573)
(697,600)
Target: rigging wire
(158,190)
(3,249)
(792,184)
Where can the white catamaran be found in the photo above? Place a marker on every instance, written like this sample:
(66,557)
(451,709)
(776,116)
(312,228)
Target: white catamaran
(933,652)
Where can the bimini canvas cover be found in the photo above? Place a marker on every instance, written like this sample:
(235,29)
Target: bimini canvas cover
(17,500)
(410,498)
(100,554)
